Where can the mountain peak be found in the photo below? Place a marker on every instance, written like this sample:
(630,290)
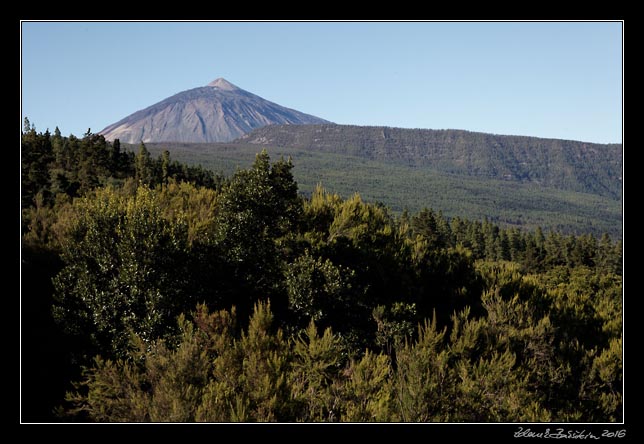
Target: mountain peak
(223,84)
(217,112)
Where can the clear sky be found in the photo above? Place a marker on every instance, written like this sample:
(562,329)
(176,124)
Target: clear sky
(557,80)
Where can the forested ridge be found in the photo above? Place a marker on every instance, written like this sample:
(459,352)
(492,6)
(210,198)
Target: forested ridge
(562,164)
(507,203)
(154,291)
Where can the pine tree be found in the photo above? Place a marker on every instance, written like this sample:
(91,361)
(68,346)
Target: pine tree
(316,364)
(608,256)
(368,391)
(421,379)
(424,224)
(115,157)
(143,166)
(36,156)
(165,165)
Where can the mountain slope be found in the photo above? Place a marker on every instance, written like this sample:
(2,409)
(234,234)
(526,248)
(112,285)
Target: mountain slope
(562,164)
(217,112)
(399,187)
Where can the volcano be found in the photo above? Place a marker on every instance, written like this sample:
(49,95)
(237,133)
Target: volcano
(217,112)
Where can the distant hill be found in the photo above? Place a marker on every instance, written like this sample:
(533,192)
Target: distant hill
(548,163)
(217,112)
(525,182)
(398,186)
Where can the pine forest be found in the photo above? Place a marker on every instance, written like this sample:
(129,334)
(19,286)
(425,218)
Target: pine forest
(156,291)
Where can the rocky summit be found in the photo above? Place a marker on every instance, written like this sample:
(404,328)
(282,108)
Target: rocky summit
(217,112)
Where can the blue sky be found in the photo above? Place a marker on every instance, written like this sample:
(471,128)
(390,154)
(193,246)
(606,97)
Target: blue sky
(557,80)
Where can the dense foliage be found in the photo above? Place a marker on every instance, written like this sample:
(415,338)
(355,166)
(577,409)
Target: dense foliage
(184,296)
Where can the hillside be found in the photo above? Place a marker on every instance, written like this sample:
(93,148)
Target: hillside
(159,292)
(399,186)
(562,164)
(217,112)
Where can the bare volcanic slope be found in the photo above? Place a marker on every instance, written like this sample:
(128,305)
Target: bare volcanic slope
(217,112)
